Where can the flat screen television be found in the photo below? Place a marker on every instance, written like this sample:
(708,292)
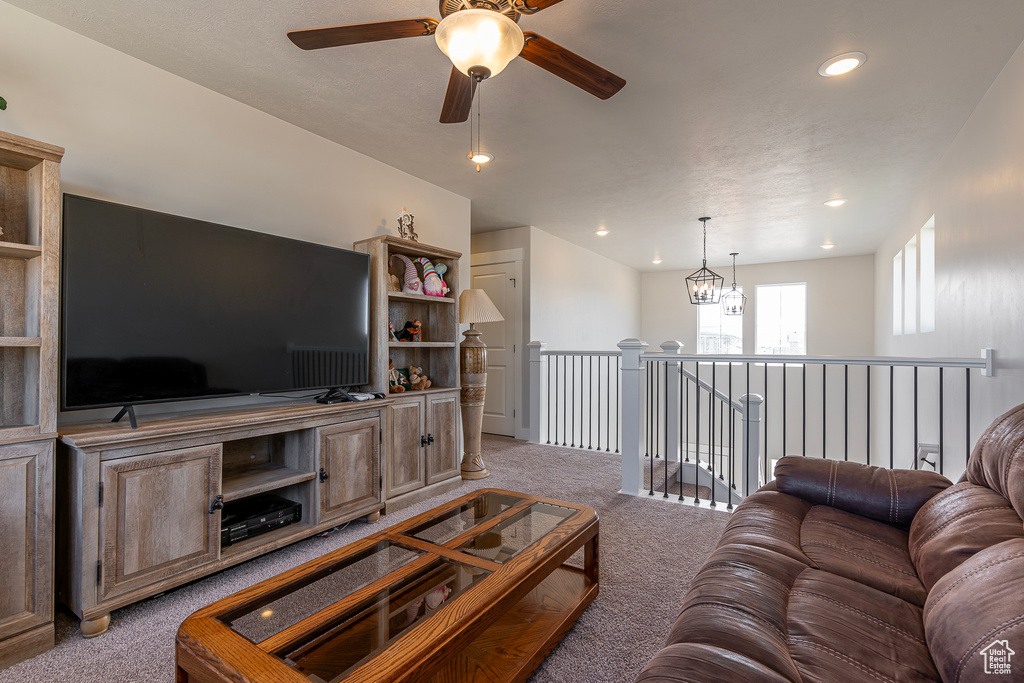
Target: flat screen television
(163,308)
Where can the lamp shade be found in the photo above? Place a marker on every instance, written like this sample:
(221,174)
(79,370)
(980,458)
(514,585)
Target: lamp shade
(475,307)
(479,38)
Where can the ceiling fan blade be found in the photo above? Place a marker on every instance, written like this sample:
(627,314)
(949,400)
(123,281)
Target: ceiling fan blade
(353,34)
(532,6)
(571,67)
(458,101)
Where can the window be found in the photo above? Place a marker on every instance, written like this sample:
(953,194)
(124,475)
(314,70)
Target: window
(910,286)
(928,276)
(897,294)
(719,333)
(781,323)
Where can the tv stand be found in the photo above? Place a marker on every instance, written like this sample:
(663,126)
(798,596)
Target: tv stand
(129,410)
(136,512)
(335,395)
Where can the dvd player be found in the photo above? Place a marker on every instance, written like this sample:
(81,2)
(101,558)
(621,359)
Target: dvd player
(256,515)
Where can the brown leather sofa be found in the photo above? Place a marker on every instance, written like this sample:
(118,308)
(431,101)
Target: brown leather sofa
(841,572)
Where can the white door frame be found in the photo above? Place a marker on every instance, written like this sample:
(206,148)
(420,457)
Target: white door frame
(489,258)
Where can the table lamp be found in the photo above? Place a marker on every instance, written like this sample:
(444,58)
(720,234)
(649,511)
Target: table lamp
(474,307)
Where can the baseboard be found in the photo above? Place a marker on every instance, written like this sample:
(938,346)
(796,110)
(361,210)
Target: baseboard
(26,645)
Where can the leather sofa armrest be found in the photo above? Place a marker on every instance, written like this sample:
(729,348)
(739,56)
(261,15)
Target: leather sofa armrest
(891,496)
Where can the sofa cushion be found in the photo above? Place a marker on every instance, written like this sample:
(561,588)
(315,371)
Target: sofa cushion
(686,662)
(842,630)
(861,549)
(997,461)
(890,496)
(957,524)
(976,609)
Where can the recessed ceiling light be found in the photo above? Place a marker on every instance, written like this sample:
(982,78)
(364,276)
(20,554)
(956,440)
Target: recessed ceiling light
(656,261)
(827,246)
(842,64)
(835,202)
(480,157)
(602,232)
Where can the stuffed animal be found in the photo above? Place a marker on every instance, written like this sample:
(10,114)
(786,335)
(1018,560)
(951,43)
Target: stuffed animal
(441,270)
(395,379)
(433,285)
(413,331)
(413,284)
(417,380)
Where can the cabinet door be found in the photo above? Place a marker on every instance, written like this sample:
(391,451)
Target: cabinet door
(405,463)
(349,458)
(155,517)
(26,527)
(442,424)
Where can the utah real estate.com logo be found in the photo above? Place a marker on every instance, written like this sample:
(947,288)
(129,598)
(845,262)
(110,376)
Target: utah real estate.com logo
(997,658)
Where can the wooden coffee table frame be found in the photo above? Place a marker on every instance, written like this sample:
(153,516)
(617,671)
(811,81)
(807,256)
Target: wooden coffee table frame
(510,607)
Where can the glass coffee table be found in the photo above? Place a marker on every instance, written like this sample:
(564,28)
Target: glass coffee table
(479,589)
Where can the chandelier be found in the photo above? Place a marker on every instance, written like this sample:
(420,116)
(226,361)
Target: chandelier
(705,286)
(734,301)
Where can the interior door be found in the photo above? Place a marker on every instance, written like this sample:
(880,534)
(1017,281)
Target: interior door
(503,284)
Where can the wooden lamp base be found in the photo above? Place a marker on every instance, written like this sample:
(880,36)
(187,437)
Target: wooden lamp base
(473,369)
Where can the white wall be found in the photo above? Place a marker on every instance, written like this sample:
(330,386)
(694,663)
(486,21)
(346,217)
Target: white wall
(138,135)
(840,301)
(976,193)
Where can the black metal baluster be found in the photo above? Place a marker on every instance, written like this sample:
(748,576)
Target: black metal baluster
(941,418)
(892,394)
(712,398)
(785,412)
(619,397)
(565,404)
(590,403)
(651,379)
(598,394)
(732,431)
(696,454)
(846,412)
(967,411)
(915,418)
(803,410)
(572,402)
(650,393)
(551,404)
(684,414)
(824,406)
(764,418)
(666,431)
(687,442)
(868,412)
(657,413)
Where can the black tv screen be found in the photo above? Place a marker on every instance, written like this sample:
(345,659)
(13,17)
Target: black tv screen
(162,308)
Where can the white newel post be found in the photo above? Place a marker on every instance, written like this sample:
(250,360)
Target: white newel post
(671,420)
(632,414)
(751,447)
(538,392)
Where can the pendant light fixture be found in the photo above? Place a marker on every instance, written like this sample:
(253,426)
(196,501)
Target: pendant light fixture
(476,153)
(734,301)
(705,286)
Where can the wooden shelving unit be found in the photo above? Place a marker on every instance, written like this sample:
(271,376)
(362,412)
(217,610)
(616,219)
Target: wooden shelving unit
(423,446)
(260,479)
(29,270)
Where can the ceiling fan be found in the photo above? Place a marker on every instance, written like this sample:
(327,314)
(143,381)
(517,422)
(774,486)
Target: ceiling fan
(480,37)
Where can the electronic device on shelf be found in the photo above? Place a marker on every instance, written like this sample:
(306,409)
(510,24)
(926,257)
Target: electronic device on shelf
(164,308)
(256,515)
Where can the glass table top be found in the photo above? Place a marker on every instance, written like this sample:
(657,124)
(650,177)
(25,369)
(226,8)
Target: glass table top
(473,513)
(507,539)
(321,590)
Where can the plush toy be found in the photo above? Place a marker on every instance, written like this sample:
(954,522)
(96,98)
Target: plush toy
(413,284)
(395,379)
(413,331)
(417,380)
(433,285)
(391,332)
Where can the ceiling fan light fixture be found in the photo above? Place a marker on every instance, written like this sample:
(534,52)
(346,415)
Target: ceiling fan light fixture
(842,64)
(478,39)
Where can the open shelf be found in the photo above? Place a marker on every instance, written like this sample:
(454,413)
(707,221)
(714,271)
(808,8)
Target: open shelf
(268,538)
(13,250)
(260,479)
(422,345)
(421,297)
(21,341)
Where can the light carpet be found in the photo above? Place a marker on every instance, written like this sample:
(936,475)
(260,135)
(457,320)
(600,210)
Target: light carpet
(650,551)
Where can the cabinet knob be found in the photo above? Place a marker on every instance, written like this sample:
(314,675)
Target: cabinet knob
(430,438)
(424,441)
(217,504)
(323,475)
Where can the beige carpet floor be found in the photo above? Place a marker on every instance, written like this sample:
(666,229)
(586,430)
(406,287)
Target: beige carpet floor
(650,551)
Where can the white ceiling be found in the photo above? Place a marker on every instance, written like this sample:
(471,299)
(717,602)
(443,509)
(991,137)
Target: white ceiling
(723,114)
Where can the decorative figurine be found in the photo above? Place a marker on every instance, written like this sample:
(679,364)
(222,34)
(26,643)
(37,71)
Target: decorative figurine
(391,332)
(417,380)
(395,380)
(413,284)
(405,226)
(433,285)
(412,332)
